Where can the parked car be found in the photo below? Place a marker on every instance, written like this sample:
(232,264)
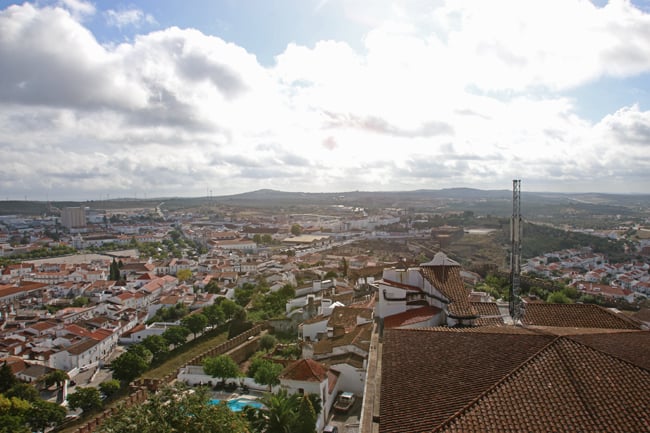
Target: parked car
(344,402)
(331,429)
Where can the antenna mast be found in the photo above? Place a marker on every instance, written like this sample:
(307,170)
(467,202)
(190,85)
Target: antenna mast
(515,251)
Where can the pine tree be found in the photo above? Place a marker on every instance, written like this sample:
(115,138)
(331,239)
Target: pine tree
(7,378)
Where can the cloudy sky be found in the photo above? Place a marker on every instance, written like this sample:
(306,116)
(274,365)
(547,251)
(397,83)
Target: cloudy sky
(190,98)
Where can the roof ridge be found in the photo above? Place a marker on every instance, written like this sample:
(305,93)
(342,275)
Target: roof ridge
(494,387)
(610,355)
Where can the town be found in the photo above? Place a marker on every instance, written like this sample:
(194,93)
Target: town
(92,299)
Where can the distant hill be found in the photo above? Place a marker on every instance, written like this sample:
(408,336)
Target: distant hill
(535,205)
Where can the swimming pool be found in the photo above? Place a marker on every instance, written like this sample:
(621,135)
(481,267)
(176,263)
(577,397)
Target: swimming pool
(238,404)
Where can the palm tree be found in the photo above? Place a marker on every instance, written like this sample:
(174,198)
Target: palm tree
(280,411)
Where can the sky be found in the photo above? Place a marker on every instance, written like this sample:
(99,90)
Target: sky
(162,98)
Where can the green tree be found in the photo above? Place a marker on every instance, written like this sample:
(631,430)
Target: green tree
(129,366)
(296,230)
(156,344)
(229,308)
(174,409)
(255,361)
(239,324)
(184,275)
(176,335)
(23,391)
(56,377)
(212,287)
(109,387)
(214,313)
(196,323)
(222,367)
(44,414)
(80,301)
(7,378)
(280,412)
(142,351)
(268,342)
(344,267)
(268,373)
(13,412)
(114,271)
(306,422)
(86,399)
(558,298)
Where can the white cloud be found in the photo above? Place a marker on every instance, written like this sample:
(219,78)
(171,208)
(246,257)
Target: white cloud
(78,8)
(128,17)
(459,94)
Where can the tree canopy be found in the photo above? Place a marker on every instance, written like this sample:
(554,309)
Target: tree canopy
(221,366)
(176,409)
(176,335)
(196,323)
(86,399)
(129,366)
(268,373)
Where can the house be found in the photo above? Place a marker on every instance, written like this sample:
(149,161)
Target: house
(309,376)
(84,354)
(33,373)
(436,284)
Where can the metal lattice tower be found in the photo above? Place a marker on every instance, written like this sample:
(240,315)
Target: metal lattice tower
(515,251)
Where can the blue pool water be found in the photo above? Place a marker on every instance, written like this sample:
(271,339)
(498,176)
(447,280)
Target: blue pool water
(238,404)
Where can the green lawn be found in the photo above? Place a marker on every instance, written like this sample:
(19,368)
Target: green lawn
(186,353)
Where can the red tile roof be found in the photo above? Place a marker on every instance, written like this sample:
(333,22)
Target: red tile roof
(575,315)
(446,278)
(489,312)
(306,370)
(567,387)
(512,379)
(410,317)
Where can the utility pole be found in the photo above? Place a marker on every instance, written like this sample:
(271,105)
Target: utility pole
(515,251)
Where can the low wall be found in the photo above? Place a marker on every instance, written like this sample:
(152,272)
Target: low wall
(193,375)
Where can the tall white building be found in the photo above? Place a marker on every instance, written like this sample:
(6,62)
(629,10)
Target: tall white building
(73,217)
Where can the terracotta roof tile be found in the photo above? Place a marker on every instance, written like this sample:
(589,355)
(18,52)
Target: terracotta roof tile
(359,337)
(489,314)
(513,379)
(575,315)
(428,375)
(410,317)
(305,370)
(567,387)
(448,281)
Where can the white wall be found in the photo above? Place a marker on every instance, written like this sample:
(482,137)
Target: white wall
(311,330)
(351,379)
(388,308)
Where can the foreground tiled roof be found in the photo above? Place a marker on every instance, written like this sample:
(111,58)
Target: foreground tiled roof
(575,315)
(428,375)
(633,347)
(487,379)
(567,387)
